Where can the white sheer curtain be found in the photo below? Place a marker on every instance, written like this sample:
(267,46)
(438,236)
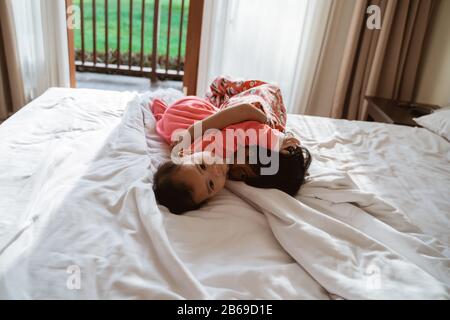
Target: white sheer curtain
(278,41)
(41,40)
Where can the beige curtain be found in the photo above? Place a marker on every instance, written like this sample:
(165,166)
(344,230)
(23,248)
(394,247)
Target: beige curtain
(12,96)
(5,97)
(381,62)
(35,50)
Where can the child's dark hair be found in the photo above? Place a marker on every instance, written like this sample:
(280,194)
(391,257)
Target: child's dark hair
(176,196)
(291,173)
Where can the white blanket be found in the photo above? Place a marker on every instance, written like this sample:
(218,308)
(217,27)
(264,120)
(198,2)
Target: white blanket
(77,196)
(354,244)
(76,191)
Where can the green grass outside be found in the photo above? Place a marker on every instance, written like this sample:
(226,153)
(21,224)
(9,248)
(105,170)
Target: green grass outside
(136,26)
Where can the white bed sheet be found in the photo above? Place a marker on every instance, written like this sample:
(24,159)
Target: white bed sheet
(408,167)
(75,189)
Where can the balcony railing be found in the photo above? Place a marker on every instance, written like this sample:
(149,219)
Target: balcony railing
(144,38)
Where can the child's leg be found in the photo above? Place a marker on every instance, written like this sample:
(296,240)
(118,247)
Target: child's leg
(266,97)
(222,88)
(276,108)
(225,88)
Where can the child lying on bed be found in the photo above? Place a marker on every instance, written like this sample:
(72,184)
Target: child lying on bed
(254,113)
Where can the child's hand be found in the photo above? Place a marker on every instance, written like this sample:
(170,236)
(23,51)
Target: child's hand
(179,136)
(289,143)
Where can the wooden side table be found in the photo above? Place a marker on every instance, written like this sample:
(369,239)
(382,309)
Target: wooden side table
(397,112)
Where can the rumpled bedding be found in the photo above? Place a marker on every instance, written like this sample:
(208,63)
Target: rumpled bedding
(76,194)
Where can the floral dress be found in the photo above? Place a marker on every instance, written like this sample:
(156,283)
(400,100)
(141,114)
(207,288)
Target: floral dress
(226,92)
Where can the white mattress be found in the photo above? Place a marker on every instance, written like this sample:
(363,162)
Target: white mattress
(75,190)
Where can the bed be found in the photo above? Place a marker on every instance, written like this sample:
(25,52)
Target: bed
(78,217)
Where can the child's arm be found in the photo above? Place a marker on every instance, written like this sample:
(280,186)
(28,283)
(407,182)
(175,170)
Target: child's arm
(229,116)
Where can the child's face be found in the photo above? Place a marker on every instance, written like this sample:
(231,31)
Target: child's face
(241,171)
(203,173)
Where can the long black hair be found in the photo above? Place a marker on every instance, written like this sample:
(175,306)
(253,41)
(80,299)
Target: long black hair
(291,173)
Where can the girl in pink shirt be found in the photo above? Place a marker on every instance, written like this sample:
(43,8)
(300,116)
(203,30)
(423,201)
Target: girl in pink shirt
(241,136)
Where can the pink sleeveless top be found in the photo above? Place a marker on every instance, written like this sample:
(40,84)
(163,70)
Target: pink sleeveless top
(188,110)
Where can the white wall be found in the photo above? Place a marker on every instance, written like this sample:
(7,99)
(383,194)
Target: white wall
(434,78)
